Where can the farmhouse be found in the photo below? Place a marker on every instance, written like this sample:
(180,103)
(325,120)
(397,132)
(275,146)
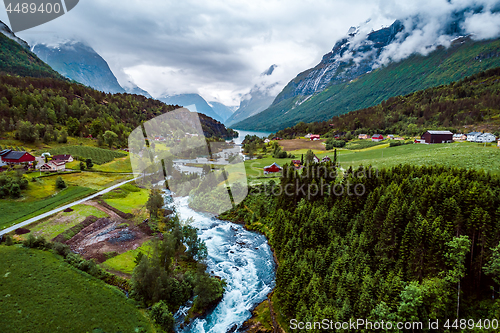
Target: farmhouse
(10,156)
(363,136)
(390,136)
(65,158)
(326,159)
(308,136)
(472,136)
(377,137)
(273,168)
(437,137)
(53,166)
(459,137)
(485,137)
(296,162)
(314,137)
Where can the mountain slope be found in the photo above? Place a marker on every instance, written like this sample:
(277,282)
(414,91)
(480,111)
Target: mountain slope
(194,102)
(472,103)
(17,59)
(221,110)
(81,63)
(445,65)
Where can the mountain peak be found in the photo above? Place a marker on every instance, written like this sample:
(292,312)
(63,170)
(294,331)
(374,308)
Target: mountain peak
(4,29)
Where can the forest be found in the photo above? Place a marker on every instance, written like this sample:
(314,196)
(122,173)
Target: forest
(473,100)
(402,244)
(49,109)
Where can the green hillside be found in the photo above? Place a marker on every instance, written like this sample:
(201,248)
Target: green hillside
(16,60)
(417,72)
(471,103)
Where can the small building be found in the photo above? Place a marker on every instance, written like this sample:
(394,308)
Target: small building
(65,158)
(10,156)
(363,136)
(325,159)
(53,166)
(498,143)
(459,137)
(390,136)
(296,162)
(377,137)
(316,159)
(308,136)
(314,137)
(267,141)
(437,137)
(485,137)
(273,168)
(472,136)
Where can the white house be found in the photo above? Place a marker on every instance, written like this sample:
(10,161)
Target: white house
(486,137)
(459,137)
(53,166)
(316,159)
(267,141)
(66,158)
(472,136)
(308,136)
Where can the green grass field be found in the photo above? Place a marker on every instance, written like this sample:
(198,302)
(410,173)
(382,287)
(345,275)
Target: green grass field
(57,224)
(129,202)
(40,293)
(125,262)
(15,211)
(460,154)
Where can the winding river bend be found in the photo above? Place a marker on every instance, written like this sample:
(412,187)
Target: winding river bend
(243,258)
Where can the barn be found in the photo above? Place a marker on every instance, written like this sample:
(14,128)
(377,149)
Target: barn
(437,137)
(273,168)
(16,157)
(377,137)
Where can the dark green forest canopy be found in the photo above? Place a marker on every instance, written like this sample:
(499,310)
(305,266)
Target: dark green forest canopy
(84,111)
(475,100)
(381,255)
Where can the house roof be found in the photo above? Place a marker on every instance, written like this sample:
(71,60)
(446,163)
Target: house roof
(14,155)
(486,134)
(440,132)
(274,164)
(474,133)
(61,157)
(377,135)
(5,152)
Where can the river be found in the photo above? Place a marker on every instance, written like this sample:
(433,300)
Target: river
(242,258)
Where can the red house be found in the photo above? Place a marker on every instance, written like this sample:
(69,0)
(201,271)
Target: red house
(16,157)
(314,137)
(273,168)
(377,137)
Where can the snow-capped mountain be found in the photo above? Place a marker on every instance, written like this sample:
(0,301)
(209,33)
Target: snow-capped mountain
(260,97)
(222,110)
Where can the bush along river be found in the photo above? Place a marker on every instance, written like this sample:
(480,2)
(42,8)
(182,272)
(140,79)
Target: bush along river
(242,258)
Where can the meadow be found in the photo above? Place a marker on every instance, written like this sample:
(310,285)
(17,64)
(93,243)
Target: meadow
(125,262)
(129,198)
(41,293)
(98,155)
(15,211)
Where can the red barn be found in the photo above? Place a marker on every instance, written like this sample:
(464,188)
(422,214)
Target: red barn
(437,137)
(273,168)
(16,157)
(377,137)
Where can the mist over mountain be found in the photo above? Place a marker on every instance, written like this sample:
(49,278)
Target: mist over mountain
(193,102)
(320,92)
(81,63)
(260,97)
(221,110)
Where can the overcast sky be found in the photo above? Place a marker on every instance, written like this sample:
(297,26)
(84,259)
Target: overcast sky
(212,47)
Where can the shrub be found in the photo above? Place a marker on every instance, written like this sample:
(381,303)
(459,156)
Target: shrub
(36,242)
(60,184)
(61,249)
(162,316)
